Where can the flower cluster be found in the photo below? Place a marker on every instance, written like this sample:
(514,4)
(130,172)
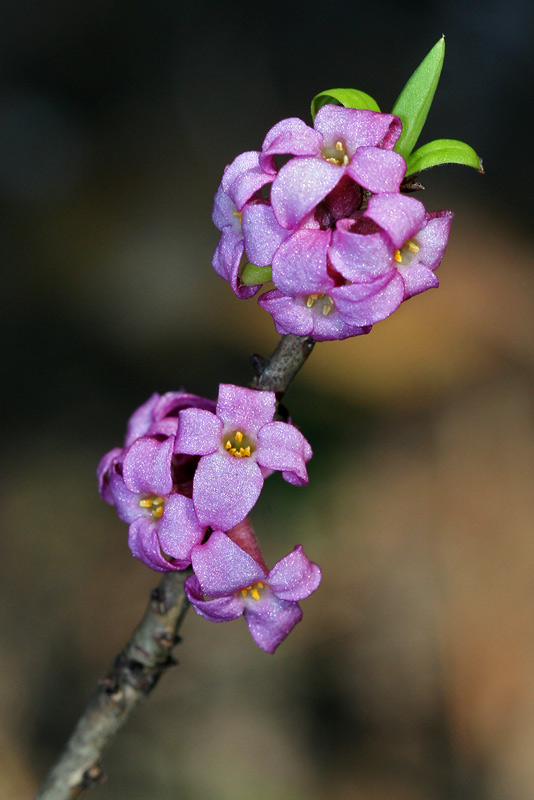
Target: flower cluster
(344,245)
(188,475)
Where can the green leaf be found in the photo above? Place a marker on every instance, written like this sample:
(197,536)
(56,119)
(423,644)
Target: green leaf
(253,275)
(442,151)
(350,98)
(414,101)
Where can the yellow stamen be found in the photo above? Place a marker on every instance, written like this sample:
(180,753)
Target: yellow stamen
(228,445)
(326,310)
(413,247)
(397,255)
(238,436)
(332,161)
(146,502)
(259,585)
(310,301)
(345,160)
(255,594)
(237,213)
(246,450)
(339,146)
(157,512)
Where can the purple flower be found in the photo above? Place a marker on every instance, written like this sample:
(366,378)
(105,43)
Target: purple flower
(239,445)
(334,284)
(163,524)
(349,145)
(150,486)
(238,585)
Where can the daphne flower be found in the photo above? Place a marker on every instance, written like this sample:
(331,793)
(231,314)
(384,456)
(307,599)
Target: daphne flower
(334,284)
(346,143)
(150,486)
(238,445)
(236,584)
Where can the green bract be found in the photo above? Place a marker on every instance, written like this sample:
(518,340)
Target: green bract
(350,98)
(442,151)
(414,101)
(253,275)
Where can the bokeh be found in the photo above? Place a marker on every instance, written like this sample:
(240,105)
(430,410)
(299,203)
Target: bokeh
(411,676)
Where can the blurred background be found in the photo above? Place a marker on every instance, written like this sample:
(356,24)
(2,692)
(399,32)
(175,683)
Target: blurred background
(411,676)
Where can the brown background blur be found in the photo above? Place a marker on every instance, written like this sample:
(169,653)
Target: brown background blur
(411,676)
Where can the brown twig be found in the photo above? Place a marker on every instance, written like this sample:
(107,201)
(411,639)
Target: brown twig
(137,669)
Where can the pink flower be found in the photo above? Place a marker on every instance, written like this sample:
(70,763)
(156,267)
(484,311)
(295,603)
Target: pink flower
(238,445)
(236,584)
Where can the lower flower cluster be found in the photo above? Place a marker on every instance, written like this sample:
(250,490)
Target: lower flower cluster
(188,475)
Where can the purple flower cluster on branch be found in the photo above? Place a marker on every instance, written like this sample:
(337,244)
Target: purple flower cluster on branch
(345,246)
(186,479)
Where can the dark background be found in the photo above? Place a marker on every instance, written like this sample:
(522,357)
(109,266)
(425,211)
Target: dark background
(411,674)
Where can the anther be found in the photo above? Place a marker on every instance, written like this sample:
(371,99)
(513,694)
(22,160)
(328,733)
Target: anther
(238,436)
(397,255)
(310,301)
(339,146)
(145,502)
(413,247)
(327,309)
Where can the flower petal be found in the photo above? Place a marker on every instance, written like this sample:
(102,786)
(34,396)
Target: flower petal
(141,419)
(223,568)
(244,409)
(377,170)
(225,489)
(433,238)
(400,216)
(292,136)
(360,257)
(300,185)
(281,446)
(103,473)
(245,176)
(367,303)
(270,620)
(300,263)
(179,529)
(144,545)
(290,314)
(147,466)
(199,432)
(221,609)
(295,576)
(262,233)
(126,503)
(226,262)
(357,127)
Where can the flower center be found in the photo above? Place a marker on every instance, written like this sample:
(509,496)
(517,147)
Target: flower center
(253,590)
(336,154)
(238,444)
(323,302)
(154,503)
(406,253)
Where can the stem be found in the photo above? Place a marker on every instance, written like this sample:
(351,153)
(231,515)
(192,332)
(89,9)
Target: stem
(137,669)
(290,354)
(131,678)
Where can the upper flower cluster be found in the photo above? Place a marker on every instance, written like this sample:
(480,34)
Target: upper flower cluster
(191,469)
(344,245)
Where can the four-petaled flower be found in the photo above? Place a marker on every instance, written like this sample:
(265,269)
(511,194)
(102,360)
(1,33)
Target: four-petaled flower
(239,445)
(235,584)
